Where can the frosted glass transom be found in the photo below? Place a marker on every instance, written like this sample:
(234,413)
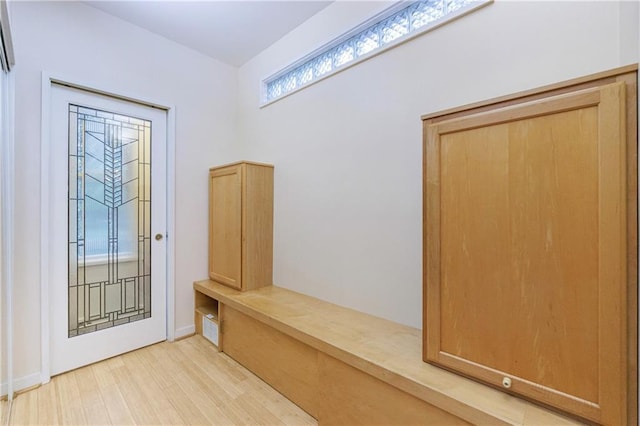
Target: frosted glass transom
(376,35)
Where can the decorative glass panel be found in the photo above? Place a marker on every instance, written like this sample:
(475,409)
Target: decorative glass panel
(322,65)
(289,82)
(453,5)
(305,74)
(425,13)
(399,23)
(343,54)
(274,89)
(395,27)
(367,41)
(109,220)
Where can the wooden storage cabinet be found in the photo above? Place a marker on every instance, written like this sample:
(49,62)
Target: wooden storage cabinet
(531,245)
(241,225)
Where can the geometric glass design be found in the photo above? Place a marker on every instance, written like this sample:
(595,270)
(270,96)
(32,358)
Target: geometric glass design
(343,54)
(367,41)
(322,65)
(425,13)
(399,23)
(395,28)
(109,220)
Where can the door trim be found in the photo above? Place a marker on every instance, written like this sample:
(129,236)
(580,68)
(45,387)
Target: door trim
(7,238)
(48,79)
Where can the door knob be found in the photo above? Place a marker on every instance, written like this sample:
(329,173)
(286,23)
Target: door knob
(158,237)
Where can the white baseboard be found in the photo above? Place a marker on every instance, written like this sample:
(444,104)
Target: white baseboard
(185,331)
(21,383)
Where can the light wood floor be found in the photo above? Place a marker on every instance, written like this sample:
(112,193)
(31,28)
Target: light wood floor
(186,382)
(3,412)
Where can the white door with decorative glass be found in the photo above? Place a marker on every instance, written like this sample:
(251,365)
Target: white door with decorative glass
(107,213)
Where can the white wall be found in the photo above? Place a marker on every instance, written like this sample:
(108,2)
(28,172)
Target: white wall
(71,39)
(347,151)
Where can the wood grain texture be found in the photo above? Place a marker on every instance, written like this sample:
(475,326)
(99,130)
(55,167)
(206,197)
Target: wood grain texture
(26,408)
(241,225)
(613,255)
(187,382)
(257,222)
(285,363)
(631,83)
(560,103)
(519,253)
(95,409)
(205,305)
(225,225)
(387,351)
(431,227)
(4,411)
(68,395)
(347,396)
(526,259)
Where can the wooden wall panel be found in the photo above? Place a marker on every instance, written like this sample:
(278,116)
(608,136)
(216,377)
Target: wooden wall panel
(288,365)
(347,396)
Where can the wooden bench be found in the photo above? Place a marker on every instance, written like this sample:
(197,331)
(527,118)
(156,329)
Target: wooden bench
(347,367)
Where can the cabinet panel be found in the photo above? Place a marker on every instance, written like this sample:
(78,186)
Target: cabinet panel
(534,197)
(241,225)
(525,249)
(288,365)
(258,228)
(348,396)
(225,230)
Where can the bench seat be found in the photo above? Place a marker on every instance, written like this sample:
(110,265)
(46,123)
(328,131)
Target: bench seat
(353,367)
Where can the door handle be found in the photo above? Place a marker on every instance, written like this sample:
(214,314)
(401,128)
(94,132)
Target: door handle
(159,237)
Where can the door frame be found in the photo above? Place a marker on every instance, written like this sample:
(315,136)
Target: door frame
(48,79)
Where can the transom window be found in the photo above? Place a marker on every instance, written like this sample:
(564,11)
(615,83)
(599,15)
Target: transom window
(401,22)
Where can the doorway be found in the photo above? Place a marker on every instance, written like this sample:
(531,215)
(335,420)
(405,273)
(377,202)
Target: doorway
(107,217)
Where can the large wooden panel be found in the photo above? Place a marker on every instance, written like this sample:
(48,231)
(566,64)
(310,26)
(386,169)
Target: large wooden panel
(520,219)
(285,363)
(347,396)
(257,219)
(225,225)
(525,239)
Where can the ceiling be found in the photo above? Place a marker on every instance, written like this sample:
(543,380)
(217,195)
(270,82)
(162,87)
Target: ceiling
(229,31)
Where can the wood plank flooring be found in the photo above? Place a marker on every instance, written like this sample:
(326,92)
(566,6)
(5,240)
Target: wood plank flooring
(4,405)
(185,382)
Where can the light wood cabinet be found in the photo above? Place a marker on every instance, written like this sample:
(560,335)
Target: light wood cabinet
(241,225)
(530,245)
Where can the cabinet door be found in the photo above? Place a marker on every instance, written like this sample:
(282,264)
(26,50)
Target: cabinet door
(525,239)
(225,225)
